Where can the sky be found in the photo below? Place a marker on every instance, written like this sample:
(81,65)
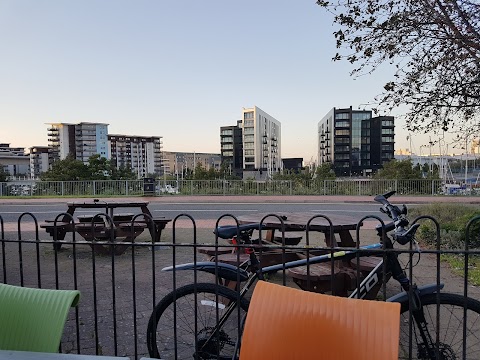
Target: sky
(176,69)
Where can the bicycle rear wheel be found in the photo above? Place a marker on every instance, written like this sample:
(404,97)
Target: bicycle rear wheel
(175,338)
(450,330)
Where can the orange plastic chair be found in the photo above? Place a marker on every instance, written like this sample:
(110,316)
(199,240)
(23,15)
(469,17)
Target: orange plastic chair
(287,323)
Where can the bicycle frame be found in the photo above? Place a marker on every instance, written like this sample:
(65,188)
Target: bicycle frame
(392,267)
(234,273)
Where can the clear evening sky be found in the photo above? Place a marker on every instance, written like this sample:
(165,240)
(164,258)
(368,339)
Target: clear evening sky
(174,68)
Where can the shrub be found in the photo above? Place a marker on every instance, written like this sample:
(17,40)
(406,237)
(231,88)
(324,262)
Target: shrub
(453,220)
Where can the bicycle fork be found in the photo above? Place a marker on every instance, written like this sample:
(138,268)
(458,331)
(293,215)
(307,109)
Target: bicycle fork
(428,349)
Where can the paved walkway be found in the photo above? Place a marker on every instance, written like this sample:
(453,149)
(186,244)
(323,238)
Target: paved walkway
(254,199)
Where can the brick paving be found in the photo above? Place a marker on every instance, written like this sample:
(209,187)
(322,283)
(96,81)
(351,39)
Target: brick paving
(118,293)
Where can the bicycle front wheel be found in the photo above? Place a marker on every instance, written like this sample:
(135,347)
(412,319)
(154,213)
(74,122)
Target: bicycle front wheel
(450,329)
(183,324)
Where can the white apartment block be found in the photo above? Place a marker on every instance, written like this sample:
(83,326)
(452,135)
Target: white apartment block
(79,140)
(142,153)
(262,135)
(38,160)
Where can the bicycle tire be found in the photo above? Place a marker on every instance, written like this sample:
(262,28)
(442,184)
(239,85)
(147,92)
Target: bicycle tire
(161,340)
(451,327)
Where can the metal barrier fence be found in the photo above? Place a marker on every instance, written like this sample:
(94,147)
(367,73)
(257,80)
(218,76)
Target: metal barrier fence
(119,292)
(232,187)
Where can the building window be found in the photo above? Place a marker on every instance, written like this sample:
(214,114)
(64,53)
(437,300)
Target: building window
(387,131)
(249,159)
(342,156)
(387,122)
(249,152)
(341,141)
(340,116)
(361,116)
(342,148)
(342,123)
(248,115)
(248,138)
(342,132)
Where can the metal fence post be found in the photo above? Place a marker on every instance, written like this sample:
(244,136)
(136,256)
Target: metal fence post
(63,188)
(291,187)
(396,185)
(191,187)
(126,187)
(94,188)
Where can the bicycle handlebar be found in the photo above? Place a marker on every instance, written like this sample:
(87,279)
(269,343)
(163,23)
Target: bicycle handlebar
(400,222)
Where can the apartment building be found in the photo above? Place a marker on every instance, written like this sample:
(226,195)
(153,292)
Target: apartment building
(253,145)
(355,142)
(14,160)
(181,163)
(79,140)
(231,148)
(38,160)
(91,139)
(142,153)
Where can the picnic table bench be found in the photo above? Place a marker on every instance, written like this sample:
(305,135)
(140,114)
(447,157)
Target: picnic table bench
(96,228)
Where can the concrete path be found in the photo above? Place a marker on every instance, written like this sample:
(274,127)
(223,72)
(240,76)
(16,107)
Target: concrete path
(254,199)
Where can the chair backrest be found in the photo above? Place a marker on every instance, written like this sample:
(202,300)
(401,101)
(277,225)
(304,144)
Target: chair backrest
(287,323)
(33,319)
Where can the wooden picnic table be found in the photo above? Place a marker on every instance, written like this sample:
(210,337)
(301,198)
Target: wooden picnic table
(341,225)
(318,276)
(94,228)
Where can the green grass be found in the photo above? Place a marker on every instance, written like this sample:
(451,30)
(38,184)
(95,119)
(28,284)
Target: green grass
(457,264)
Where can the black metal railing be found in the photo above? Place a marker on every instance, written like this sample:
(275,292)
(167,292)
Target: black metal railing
(119,292)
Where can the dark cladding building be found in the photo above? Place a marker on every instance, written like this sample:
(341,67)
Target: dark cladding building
(355,142)
(231,148)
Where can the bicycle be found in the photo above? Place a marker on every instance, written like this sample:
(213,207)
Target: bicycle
(203,320)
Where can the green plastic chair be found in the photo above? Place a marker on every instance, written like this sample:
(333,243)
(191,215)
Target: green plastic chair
(33,319)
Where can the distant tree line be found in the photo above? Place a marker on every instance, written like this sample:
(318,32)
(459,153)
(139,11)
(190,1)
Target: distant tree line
(405,170)
(98,168)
